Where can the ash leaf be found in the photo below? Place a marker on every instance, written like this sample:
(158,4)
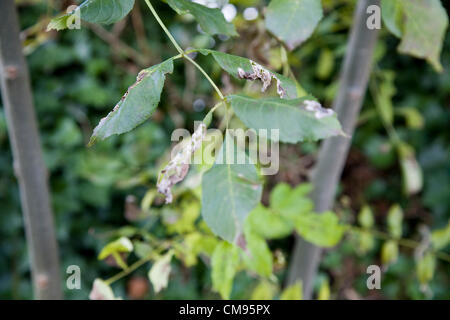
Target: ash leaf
(137,104)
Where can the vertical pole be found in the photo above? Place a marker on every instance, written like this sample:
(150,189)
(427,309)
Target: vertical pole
(28,162)
(333,152)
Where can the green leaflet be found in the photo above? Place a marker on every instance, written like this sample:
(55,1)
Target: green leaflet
(231,63)
(440,238)
(394,221)
(365,217)
(224,262)
(229,193)
(290,117)
(268,223)
(322,229)
(389,252)
(211,20)
(95,11)
(391,11)
(421,24)
(293,21)
(122,244)
(137,104)
(425,24)
(425,268)
(257,255)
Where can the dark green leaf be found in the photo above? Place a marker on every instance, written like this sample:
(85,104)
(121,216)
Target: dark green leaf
(138,103)
(294,122)
(229,193)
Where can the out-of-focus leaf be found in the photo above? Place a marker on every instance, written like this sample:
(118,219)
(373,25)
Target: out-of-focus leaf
(290,203)
(414,119)
(268,224)
(325,64)
(294,122)
(365,217)
(394,221)
(257,255)
(122,244)
(425,23)
(425,268)
(224,263)
(101,291)
(211,20)
(389,252)
(95,11)
(322,229)
(142,249)
(366,241)
(411,171)
(230,191)
(392,14)
(293,292)
(384,98)
(138,103)
(324,290)
(264,291)
(293,21)
(160,271)
(441,238)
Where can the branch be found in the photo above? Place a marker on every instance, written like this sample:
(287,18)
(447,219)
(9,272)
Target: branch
(28,162)
(333,152)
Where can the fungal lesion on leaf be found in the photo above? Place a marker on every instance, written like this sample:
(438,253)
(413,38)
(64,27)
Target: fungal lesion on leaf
(178,167)
(319,111)
(266,77)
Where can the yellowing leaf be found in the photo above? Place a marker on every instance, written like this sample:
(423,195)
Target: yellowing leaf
(224,262)
(365,217)
(441,238)
(122,244)
(264,291)
(425,268)
(389,252)
(394,221)
(293,292)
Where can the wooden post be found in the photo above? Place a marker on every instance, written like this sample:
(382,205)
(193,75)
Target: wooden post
(28,162)
(333,152)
